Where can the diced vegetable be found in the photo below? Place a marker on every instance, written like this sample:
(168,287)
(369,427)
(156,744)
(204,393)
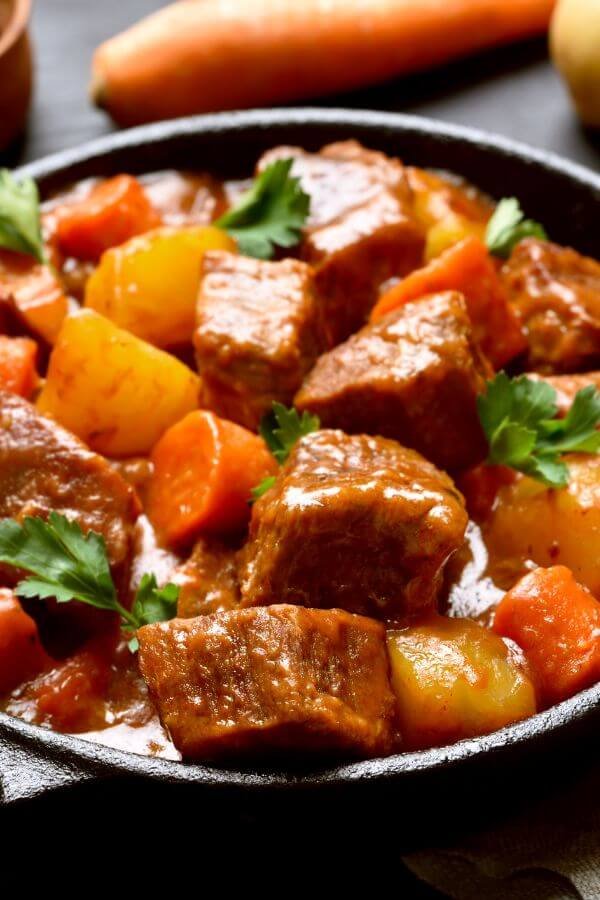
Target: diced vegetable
(466,267)
(21,653)
(115,211)
(70,696)
(17,365)
(455,679)
(36,293)
(548,526)
(448,212)
(149,286)
(204,471)
(556,622)
(116,392)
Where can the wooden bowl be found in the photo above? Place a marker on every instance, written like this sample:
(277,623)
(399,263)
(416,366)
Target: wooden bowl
(15,68)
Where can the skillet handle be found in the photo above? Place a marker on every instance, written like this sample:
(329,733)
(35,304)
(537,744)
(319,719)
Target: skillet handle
(25,773)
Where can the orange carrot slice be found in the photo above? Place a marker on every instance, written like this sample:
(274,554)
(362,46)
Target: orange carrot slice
(115,210)
(466,267)
(17,365)
(204,470)
(556,622)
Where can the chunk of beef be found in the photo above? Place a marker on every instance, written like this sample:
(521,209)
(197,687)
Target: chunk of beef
(413,376)
(258,333)
(45,468)
(208,580)
(361,230)
(356,522)
(262,680)
(556,293)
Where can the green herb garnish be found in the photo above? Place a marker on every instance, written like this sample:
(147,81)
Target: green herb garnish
(20,226)
(280,429)
(66,565)
(270,214)
(519,418)
(508,226)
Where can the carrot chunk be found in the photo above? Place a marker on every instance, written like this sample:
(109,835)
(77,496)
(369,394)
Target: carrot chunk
(204,470)
(70,696)
(115,210)
(556,622)
(466,267)
(35,293)
(21,653)
(17,365)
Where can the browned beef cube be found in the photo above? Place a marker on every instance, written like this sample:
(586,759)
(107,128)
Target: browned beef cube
(258,332)
(208,580)
(45,468)
(279,678)
(361,230)
(556,293)
(356,522)
(413,376)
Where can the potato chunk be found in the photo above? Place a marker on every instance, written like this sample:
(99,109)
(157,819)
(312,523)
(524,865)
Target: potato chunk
(114,391)
(455,679)
(531,522)
(149,285)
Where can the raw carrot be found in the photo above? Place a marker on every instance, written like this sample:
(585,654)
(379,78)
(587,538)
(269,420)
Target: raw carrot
(35,293)
(204,471)
(556,622)
(21,653)
(114,211)
(196,57)
(466,267)
(17,365)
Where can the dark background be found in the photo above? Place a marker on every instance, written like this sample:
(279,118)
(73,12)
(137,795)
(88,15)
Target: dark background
(513,91)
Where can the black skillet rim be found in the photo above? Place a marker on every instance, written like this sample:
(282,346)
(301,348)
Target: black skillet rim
(106,760)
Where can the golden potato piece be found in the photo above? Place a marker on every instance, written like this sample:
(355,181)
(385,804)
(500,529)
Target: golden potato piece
(548,526)
(149,285)
(114,391)
(454,679)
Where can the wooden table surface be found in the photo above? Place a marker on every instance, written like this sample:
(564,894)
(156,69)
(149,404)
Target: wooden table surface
(513,91)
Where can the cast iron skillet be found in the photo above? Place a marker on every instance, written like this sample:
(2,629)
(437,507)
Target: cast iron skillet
(566,198)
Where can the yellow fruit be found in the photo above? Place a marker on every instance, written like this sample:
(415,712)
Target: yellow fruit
(149,285)
(114,391)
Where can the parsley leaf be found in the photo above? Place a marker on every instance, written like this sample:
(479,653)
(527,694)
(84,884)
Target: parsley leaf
(262,488)
(508,226)
(20,226)
(519,418)
(66,565)
(282,427)
(270,214)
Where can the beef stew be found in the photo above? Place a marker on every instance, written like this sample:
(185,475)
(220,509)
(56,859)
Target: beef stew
(282,644)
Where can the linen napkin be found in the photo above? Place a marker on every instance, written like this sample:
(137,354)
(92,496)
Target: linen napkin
(550,851)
